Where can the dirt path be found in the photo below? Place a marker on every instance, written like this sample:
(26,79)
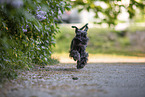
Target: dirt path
(64,80)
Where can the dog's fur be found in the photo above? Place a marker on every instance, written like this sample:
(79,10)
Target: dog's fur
(78,46)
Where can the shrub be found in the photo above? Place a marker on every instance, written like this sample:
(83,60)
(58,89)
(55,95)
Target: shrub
(27,32)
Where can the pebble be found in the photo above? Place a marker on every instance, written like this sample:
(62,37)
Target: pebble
(75,78)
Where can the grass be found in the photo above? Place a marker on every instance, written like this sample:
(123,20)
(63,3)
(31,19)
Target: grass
(101,41)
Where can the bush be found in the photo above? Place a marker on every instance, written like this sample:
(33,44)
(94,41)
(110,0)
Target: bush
(27,32)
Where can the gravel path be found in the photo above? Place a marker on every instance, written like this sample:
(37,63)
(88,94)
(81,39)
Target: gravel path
(64,80)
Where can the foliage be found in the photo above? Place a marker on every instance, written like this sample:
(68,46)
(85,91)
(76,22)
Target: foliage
(27,32)
(104,40)
(107,11)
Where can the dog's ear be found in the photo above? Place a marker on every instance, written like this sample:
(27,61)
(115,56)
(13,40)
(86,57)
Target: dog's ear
(86,25)
(73,26)
(76,28)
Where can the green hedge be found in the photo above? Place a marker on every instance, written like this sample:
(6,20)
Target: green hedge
(27,33)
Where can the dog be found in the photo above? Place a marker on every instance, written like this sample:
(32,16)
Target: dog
(78,46)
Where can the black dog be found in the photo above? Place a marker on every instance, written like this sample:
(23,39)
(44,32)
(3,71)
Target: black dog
(78,46)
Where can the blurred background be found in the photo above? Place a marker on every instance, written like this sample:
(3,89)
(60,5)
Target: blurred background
(116,28)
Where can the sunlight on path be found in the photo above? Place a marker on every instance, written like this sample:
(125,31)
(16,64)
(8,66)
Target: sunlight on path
(100,58)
